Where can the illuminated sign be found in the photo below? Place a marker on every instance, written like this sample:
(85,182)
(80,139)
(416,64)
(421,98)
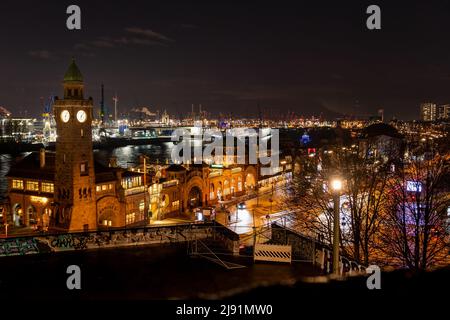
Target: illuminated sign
(217,166)
(413,186)
(42,200)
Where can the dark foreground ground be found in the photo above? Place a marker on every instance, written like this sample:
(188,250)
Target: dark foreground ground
(161,273)
(145,272)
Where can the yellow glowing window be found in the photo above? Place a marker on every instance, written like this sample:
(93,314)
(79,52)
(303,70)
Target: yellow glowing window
(141,206)
(47,187)
(17,184)
(32,186)
(98,188)
(104,187)
(130,218)
(110,186)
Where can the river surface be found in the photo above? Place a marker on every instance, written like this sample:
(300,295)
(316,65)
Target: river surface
(129,155)
(126,157)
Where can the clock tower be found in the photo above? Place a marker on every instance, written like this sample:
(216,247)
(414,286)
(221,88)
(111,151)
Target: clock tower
(74,175)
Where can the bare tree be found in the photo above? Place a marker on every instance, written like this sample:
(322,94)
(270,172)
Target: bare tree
(363,198)
(366,192)
(310,201)
(415,232)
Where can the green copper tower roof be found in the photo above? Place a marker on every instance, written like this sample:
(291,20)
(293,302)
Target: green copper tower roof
(73,73)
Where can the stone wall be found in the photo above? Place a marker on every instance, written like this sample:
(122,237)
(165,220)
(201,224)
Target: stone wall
(229,238)
(103,239)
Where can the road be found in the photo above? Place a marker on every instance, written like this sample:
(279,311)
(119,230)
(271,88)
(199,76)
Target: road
(267,203)
(259,211)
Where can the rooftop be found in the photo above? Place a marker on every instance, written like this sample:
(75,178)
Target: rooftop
(73,73)
(29,168)
(381,129)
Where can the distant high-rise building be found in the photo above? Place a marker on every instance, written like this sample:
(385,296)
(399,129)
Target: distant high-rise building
(428,111)
(443,111)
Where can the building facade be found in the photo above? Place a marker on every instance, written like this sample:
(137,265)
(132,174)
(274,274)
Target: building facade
(443,112)
(428,111)
(67,189)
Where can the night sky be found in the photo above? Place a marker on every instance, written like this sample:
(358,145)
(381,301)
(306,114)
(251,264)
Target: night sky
(310,57)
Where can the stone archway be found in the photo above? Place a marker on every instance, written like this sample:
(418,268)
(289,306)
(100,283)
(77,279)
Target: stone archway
(193,195)
(46,215)
(32,217)
(108,212)
(239,184)
(226,188)
(212,190)
(219,191)
(250,178)
(17,213)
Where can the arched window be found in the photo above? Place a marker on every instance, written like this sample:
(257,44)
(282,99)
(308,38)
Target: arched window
(212,195)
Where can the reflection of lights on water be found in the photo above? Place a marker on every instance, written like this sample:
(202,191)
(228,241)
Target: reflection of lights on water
(127,151)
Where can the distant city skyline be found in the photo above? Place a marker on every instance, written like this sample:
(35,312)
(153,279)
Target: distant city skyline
(310,59)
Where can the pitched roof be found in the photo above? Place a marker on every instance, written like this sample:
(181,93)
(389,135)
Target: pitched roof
(381,129)
(73,73)
(175,167)
(29,168)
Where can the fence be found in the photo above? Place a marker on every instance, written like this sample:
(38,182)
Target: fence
(112,238)
(272,252)
(307,249)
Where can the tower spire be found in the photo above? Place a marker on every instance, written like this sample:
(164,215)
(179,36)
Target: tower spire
(73,82)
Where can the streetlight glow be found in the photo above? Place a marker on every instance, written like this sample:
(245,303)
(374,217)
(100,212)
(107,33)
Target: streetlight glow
(336,184)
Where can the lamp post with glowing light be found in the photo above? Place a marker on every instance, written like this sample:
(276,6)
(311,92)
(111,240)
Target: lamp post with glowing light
(336,186)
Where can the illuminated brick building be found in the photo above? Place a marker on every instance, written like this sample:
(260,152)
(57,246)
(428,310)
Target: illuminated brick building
(67,189)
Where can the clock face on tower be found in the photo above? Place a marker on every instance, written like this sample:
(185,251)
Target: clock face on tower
(81,116)
(65,115)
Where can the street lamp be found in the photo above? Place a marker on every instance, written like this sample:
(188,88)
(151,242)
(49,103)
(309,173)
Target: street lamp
(336,186)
